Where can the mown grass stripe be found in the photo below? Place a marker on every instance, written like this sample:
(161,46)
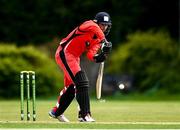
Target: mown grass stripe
(56,122)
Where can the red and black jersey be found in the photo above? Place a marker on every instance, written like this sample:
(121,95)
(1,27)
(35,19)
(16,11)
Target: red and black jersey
(85,38)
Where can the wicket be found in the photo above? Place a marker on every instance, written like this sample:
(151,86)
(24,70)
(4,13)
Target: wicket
(27,82)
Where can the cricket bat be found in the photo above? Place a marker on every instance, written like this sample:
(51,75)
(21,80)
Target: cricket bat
(99,81)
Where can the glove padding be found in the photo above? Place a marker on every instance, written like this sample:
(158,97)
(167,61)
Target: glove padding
(106,47)
(100,57)
(105,50)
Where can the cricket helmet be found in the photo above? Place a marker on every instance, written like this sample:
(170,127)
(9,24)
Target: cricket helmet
(103,18)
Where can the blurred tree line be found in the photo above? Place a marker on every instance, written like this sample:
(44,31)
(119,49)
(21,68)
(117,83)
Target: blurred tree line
(38,21)
(152,58)
(15,59)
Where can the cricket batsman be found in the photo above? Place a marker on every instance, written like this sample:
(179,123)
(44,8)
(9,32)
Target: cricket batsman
(89,38)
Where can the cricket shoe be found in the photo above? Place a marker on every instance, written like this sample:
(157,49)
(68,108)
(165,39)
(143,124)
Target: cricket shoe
(86,118)
(61,118)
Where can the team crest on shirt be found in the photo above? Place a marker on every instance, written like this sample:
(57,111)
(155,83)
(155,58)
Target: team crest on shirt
(87,44)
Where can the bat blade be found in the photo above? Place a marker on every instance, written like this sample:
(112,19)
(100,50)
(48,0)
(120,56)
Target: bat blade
(99,81)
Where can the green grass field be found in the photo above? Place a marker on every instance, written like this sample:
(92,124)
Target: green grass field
(109,114)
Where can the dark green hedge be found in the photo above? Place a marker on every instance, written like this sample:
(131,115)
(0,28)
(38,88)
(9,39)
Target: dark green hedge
(152,58)
(14,59)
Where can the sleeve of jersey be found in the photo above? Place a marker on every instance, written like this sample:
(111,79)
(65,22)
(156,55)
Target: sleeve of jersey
(93,51)
(95,44)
